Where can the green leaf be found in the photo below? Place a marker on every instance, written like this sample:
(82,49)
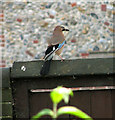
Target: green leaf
(60,93)
(56,96)
(73,111)
(42,113)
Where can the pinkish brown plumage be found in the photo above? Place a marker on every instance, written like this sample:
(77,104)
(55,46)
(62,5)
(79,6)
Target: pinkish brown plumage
(55,45)
(57,37)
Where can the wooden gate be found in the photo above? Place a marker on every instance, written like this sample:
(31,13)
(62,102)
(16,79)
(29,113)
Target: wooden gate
(90,79)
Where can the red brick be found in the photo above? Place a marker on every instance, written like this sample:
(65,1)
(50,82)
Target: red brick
(29,53)
(3,40)
(73,40)
(106,23)
(19,20)
(1,15)
(2,66)
(103,7)
(35,41)
(51,16)
(2,45)
(84,54)
(73,4)
(1,36)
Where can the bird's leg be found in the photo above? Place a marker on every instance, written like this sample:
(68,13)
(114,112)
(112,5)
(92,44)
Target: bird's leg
(42,58)
(61,58)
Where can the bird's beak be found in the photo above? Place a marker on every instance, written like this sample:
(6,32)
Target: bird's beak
(65,29)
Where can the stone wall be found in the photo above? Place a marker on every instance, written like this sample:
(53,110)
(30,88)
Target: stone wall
(27,25)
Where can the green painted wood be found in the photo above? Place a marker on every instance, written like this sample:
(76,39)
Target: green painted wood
(5,77)
(6,109)
(0,109)
(6,95)
(113,103)
(99,52)
(6,117)
(0,78)
(87,66)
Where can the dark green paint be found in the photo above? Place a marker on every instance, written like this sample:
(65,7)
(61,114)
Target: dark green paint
(68,67)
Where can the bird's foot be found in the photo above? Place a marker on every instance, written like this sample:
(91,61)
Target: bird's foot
(61,58)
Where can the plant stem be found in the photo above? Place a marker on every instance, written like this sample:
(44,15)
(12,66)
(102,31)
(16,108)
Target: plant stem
(55,111)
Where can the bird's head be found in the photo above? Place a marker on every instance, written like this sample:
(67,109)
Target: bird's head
(60,28)
(64,29)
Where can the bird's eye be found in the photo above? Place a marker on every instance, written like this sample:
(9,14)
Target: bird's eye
(62,27)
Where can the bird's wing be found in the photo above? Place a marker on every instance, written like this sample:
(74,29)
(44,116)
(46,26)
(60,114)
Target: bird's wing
(48,58)
(57,39)
(50,51)
(61,44)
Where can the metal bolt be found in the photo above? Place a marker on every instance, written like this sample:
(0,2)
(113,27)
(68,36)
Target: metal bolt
(74,77)
(23,68)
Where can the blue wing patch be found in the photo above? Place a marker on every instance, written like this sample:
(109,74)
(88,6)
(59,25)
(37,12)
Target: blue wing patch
(61,44)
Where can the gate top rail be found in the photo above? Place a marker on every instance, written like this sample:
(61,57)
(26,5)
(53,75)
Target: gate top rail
(88,66)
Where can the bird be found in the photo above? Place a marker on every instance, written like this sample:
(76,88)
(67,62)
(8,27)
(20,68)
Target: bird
(55,46)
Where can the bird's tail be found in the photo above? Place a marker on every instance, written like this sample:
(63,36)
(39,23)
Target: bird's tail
(45,68)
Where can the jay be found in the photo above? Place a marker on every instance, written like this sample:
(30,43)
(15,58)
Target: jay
(55,46)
